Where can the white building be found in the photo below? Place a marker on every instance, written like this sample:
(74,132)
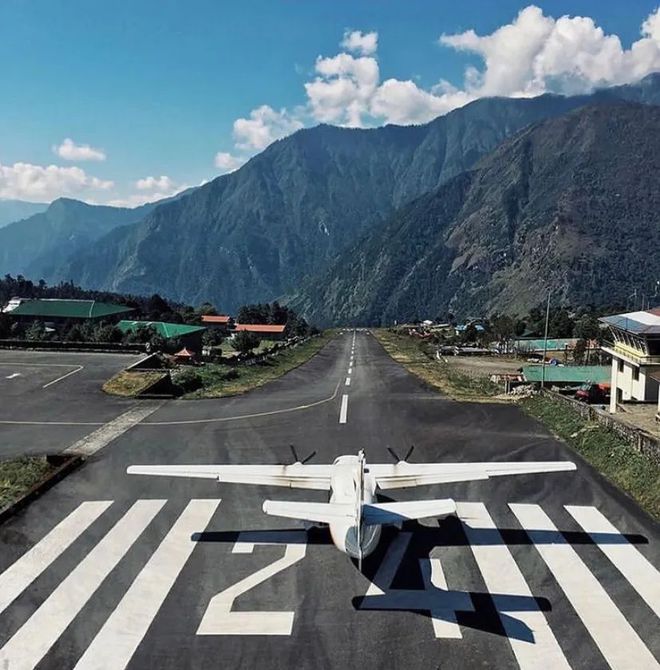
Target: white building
(635,351)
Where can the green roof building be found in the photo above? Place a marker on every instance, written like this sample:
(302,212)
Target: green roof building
(190,336)
(567,374)
(55,309)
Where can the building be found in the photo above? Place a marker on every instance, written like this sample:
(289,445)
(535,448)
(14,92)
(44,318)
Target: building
(220,322)
(56,310)
(266,331)
(189,336)
(635,351)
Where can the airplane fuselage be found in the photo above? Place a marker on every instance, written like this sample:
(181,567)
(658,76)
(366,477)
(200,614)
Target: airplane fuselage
(352,484)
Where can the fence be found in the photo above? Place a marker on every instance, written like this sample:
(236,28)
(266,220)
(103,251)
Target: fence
(639,439)
(47,345)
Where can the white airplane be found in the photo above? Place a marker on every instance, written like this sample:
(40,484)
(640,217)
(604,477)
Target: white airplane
(354,517)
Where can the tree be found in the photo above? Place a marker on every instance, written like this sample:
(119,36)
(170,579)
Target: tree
(212,338)
(469,334)
(36,331)
(587,328)
(579,351)
(244,341)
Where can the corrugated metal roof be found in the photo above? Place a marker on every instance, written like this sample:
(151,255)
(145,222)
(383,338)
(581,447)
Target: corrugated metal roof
(260,327)
(568,374)
(640,323)
(220,318)
(166,330)
(536,344)
(68,309)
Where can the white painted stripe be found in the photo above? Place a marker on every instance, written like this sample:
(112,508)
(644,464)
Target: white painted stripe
(635,567)
(59,379)
(614,636)
(348,381)
(13,375)
(350,370)
(343,412)
(503,577)
(116,642)
(110,431)
(391,561)
(444,621)
(18,576)
(32,641)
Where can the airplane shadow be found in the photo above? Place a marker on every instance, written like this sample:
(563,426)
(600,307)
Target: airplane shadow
(410,590)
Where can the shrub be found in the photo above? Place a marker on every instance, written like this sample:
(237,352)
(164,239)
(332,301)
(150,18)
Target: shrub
(188,380)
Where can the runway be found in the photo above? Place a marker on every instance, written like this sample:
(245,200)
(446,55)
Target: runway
(112,571)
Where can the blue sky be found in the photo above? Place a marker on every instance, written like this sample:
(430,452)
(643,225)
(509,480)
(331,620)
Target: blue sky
(155,89)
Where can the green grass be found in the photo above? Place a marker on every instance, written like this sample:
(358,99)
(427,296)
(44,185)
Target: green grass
(215,383)
(19,475)
(129,384)
(607,451)
(418,357)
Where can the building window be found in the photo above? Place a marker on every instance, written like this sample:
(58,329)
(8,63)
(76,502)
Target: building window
(635,373)
(620,365)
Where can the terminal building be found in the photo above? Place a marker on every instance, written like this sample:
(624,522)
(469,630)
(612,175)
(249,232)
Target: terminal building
(635,351)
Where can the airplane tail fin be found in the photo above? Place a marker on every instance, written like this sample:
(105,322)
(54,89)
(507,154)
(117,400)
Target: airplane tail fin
(397,512)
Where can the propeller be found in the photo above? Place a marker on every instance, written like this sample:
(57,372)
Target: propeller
(396,456)
(297,459)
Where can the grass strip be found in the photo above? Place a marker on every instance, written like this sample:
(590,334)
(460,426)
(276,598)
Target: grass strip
(19,475)
(635,473)
(225,380)
(130,383)
(418,357)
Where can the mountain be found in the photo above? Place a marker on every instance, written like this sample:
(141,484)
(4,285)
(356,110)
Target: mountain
(283,218)
(36,246)
(570,204)
(15,210)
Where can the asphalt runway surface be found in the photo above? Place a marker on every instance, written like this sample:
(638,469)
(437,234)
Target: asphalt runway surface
(108,570)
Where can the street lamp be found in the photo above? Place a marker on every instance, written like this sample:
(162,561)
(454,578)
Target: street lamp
(545,339)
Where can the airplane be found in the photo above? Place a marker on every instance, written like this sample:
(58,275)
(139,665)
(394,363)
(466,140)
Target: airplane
(353,515)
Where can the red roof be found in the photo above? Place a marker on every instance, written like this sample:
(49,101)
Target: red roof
(216,319)
(260,327)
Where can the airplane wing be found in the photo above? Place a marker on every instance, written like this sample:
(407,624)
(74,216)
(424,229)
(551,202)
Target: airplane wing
(296,476)
(403,474)
(397,512)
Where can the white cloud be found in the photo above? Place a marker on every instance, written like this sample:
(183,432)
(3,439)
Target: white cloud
(162,183)
(359,42)
(47,182)
(70,151)
(264,126)
(535,54)
(227,162)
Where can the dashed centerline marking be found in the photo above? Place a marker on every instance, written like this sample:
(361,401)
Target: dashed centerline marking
(343,412)
(348,381)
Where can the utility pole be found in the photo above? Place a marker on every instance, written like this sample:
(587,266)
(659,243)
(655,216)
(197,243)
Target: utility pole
(545,339)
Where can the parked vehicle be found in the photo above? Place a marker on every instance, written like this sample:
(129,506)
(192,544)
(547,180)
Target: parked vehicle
(592,393)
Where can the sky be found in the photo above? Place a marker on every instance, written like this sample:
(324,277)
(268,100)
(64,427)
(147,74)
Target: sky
(127,102)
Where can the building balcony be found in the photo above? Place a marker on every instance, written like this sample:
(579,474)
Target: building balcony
(630,354)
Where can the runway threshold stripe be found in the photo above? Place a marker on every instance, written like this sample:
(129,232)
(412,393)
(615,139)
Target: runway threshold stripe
(503,578)
(17,577)
(635,567)
(614,636)
(343,412)
(116,642)
(388,567)
(444,622)
(32,641)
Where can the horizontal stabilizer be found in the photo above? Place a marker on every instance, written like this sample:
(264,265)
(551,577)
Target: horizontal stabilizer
(311,511)
(397,512)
